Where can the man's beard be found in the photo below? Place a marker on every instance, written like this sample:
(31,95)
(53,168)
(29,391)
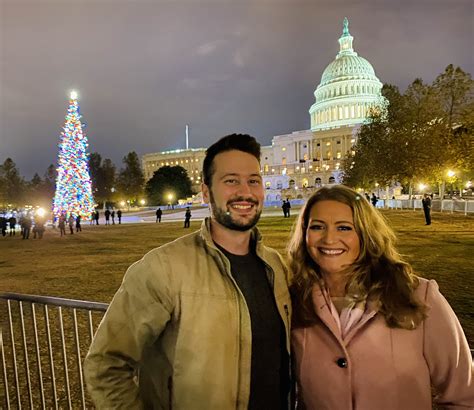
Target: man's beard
(225,218)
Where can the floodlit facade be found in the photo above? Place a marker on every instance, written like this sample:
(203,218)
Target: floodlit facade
(190,159)
(300,161)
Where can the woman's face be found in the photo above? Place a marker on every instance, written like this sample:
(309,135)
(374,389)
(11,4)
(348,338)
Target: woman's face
(331,239)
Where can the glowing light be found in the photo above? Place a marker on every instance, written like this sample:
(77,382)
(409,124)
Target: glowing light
(73,95)
(451,173)
(122,203)
(421,187)
(40,212)
(142,202)
(170,197)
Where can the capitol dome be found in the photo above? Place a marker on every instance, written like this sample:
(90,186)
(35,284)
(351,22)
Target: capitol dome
(348,90)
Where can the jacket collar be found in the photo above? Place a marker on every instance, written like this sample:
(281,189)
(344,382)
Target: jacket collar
(323,311)
(207,237)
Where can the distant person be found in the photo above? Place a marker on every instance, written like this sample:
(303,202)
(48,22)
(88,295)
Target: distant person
(3,225)
(62,224)
(283,207)
(187,218)
(426,202)
(71,221)
(78,223)
(119,216)
(38,229)
(26,226)
(97,215)
(107,216)
(112,215)
(201,323)
(288,207)
(367,196)
(374,200)
(12,223)
(159,212)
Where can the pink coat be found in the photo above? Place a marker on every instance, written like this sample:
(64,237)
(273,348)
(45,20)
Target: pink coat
(382,368)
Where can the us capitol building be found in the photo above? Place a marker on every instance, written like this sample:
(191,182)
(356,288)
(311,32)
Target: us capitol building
(298,162)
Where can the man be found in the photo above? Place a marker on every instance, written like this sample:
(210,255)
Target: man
(203,320)
(119,216)
(187,217)
(159,212)
(426,202)
(288,207)
(107,216)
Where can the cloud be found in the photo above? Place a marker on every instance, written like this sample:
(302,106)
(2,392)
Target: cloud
(209,47)
(238,58)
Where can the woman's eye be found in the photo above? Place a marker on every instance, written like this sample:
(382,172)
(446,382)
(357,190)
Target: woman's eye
(316,227)
(345,228)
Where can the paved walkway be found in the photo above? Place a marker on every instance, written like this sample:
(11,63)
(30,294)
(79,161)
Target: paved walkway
(198,214)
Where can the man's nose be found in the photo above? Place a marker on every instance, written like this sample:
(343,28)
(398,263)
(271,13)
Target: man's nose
(245,189)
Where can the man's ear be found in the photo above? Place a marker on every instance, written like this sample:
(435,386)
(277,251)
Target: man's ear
(205,193)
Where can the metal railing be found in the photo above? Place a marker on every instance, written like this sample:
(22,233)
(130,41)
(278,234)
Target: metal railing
(41,364)
(43,342)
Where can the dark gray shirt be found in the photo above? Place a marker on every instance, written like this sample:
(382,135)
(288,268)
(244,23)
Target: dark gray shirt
(269,382)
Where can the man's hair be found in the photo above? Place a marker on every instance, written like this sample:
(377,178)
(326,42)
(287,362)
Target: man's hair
(240,142)
(379,272)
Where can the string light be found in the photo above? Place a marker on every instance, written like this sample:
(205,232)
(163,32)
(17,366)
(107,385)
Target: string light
(73,184)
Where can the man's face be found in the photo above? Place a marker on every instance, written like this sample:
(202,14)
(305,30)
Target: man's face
(236,193)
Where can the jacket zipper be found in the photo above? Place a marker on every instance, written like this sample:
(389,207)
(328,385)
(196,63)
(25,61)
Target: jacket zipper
(170,391)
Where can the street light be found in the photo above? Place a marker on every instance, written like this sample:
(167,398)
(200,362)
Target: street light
(451,173)
(142,202)
(421,187)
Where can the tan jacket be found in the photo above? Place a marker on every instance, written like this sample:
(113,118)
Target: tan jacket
(180,319)
(384,368)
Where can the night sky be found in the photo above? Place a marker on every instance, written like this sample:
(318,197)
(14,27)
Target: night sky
(145,69)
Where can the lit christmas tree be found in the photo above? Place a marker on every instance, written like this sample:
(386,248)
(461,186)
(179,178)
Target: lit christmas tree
(73,183)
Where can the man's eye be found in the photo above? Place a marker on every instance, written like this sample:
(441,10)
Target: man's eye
(230,181)
(254,182)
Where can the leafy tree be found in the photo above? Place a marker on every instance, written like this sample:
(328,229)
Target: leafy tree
(420,135)
(95,162)
(130,180)
(103,176)
(168,180)
(13,185)
(49,182)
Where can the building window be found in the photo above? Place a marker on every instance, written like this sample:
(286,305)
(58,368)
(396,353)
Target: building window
(338,155)
(292,183)
(332,180)
(279,185)
(283,160)
(268,185)
(317,182)
(265,168)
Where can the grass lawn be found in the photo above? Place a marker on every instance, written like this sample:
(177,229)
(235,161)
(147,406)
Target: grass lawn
(90,265)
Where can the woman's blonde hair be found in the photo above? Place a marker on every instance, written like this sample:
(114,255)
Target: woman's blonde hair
(379,272)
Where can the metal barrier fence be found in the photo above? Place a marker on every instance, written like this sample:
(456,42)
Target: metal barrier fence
(29,343)
(43,342)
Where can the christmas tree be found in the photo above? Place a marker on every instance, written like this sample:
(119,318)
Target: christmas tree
(73,184)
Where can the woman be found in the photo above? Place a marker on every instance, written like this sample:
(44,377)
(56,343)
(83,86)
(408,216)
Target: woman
(368,333)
